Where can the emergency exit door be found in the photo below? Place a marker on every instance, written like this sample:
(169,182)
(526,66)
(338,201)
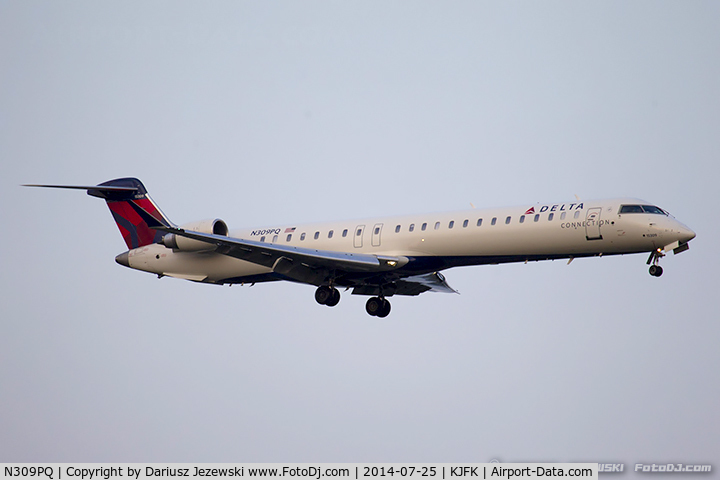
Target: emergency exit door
(358,236)
(377,231)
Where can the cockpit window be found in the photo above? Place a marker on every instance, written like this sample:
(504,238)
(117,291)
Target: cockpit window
(631,209)
(653,209)
(642,209)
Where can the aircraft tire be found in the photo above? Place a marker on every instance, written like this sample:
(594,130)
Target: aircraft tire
(385,310)
(323,295)
(656,270)
(373,306)
(334,298)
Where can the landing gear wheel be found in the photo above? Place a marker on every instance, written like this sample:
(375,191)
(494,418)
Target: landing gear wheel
(656,270)
(655,256)
(373,306)
(324,294)
(334,298)
(385,311)
(378,307)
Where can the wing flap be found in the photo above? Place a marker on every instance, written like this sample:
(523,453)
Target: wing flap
(418,284)
(412,285)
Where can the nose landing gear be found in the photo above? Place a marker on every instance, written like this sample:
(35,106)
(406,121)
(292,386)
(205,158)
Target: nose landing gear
(654,259)
(656,270)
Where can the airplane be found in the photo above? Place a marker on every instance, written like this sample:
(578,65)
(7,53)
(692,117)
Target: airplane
(382,257)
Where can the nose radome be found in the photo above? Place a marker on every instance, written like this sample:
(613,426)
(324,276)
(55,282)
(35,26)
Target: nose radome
(686,234)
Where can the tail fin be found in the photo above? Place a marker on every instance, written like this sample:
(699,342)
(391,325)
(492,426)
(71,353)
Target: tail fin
(133,228)
(120,195)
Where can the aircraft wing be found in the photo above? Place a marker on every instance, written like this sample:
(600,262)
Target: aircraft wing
(302,264)
(268,254)
(311,265)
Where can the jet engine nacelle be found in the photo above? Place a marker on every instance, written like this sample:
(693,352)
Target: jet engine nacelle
(177,242)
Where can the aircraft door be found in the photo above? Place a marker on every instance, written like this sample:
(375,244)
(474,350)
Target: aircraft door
(592,224)
(377,231)
(358,236)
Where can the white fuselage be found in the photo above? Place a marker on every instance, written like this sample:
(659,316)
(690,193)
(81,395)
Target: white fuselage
(437,241)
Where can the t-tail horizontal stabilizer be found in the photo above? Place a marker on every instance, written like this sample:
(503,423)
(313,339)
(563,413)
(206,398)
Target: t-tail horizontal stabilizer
(121,195)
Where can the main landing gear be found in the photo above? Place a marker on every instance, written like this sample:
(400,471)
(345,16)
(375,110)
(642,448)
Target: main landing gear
(378,307)
(655,256)
(375,306)
(326,295)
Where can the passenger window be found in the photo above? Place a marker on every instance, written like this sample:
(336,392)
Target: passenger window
(537,217)
(437,225)
(577,214)
(289,237)
(424,226)
(465,223)
(377,230)
(262,239)
(317,235)
(359,232)
(330,233)
(302,236)
(345,233)
(562,215)
(397,229)
(550,217)
(451,224)
(275,237)
(493,221)
(507,220)
(479,222)
(412,227)
(522,218)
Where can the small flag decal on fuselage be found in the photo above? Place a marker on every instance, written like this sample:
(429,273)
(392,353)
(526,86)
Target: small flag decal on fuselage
(290,230)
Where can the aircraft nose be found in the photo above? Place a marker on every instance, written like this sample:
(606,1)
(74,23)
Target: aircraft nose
(685,234)
(123,259)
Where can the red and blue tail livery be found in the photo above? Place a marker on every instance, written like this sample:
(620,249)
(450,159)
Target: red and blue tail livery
(120,200)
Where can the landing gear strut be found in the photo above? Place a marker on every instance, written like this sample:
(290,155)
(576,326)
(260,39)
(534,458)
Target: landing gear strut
(655,256)
(326,295)
(378,307)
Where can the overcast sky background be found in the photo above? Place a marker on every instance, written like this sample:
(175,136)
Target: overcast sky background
(284,112)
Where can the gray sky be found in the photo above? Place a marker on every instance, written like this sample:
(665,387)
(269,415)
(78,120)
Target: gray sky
(271,112)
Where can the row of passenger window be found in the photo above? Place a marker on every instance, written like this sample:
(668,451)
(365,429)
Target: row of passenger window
(479,222)
(424,226)
(316,236)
